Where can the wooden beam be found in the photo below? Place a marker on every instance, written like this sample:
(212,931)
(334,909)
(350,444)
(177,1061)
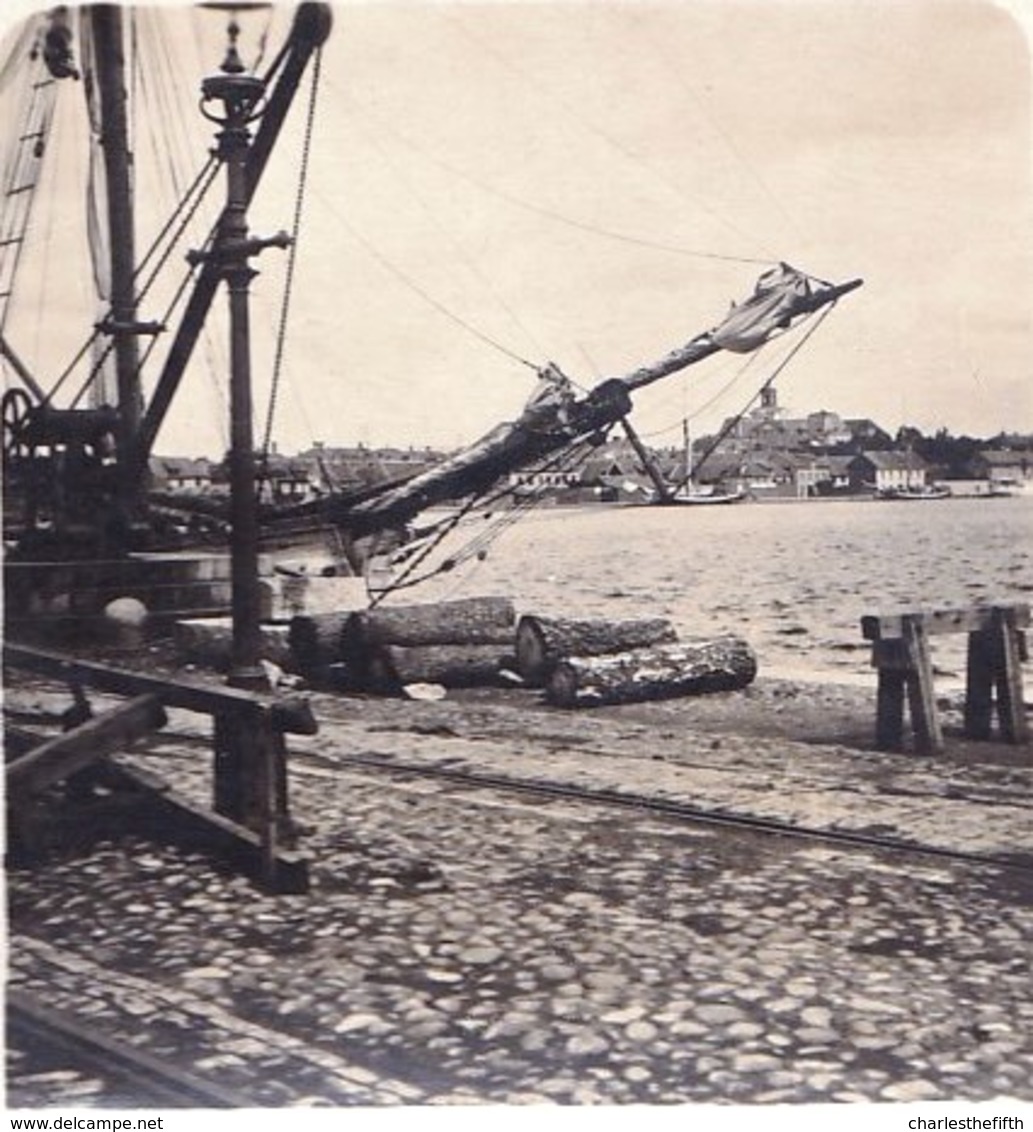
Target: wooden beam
(59,758)
(892,626)
(293,716)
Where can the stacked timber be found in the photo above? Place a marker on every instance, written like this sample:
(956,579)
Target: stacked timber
(542,642)
(659,672)
(208,641)
(452,643)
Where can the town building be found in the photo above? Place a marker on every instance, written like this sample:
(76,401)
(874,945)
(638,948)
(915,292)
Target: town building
(888,471)
(181,475)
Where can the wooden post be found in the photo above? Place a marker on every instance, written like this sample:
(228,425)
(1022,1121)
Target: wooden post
(979,683)
(888,659)
(995,655)
(1011,707)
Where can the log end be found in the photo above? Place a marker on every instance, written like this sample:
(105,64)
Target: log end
(532,655)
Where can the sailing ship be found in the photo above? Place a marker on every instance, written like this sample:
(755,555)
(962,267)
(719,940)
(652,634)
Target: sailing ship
(75,484)
(689,492)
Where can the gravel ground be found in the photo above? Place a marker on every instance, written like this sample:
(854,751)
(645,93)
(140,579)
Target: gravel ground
(469,945)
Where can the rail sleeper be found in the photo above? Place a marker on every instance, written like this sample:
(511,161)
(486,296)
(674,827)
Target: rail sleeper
(900,653)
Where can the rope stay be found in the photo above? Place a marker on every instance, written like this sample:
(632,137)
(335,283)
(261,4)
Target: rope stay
(520,74)
(553,214)
(201,185)
(440,307)
(433,214)
(741,369)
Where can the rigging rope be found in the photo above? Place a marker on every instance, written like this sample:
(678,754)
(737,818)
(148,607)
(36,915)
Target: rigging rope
(183,213)
(568,458)
(489,48)
(428,298)
(470,262)
(21,180)
(659,47)
(207,174)
(552,214)
(210,169)
(708,403)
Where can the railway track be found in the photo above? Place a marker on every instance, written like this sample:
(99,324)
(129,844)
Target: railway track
(136,1078)
(659,807)
(682,811)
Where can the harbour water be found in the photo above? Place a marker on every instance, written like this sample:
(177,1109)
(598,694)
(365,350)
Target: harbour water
(794,579)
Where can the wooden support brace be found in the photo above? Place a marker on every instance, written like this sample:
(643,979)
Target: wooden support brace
(64,755)
(905,669)
(276,869)
(251,814)
(925,723)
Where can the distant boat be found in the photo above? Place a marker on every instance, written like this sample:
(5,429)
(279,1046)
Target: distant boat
(703,496)
(690,493)
(916,493)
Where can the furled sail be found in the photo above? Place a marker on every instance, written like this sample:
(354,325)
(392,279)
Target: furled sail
(776,300)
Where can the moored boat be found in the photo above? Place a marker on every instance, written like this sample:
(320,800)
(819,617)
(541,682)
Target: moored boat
(917,493)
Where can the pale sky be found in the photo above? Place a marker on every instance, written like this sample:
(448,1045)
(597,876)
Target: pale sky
(582,183)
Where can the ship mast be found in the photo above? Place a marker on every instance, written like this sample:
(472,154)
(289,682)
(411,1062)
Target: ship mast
(121,323)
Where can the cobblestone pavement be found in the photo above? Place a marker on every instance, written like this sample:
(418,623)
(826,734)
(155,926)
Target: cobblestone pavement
(466,945)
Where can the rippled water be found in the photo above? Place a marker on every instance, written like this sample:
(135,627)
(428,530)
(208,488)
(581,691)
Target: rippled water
(793,579)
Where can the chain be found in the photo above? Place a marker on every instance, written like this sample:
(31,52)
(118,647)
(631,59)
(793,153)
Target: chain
(299,200)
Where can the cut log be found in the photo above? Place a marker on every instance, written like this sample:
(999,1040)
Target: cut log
(469,621)
(315,640)
(390,667)
(209,640)
(661,672)
(542,642)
